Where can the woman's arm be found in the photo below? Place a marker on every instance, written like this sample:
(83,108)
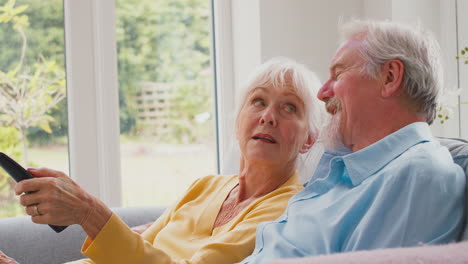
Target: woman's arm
(61,201)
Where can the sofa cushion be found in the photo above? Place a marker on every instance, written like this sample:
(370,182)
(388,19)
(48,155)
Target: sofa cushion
(28,242)
(459,150)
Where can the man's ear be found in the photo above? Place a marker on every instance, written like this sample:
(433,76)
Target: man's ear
(308,144)
(392,77)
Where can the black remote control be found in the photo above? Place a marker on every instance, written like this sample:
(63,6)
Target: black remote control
(19,173)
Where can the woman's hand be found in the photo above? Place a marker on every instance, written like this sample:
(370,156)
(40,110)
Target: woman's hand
(54,198)
(4,259)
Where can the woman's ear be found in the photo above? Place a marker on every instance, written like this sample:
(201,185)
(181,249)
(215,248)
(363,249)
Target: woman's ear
(392,77)
(308,144)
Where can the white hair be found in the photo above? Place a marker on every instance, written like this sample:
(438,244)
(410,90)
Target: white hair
(275,72)
(416,47)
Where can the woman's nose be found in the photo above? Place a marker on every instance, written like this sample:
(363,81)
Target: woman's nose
(326,92)
(268,117)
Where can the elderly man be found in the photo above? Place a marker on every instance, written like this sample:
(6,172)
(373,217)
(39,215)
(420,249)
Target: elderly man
(385,182)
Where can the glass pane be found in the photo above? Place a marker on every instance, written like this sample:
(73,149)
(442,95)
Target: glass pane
(166,99)
(33,116)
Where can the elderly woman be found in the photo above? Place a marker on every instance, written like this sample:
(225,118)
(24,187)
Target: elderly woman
(215,220)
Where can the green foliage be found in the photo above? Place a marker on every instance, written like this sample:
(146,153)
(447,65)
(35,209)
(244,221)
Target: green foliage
(446,108)
(190,115)
(166,41)
(29,90)
(157,40)
(10,144)
(26,98)
(42,23)
(44,27)
(462,55)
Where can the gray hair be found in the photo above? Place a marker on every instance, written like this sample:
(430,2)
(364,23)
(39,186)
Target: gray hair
(415,47)
(275,72)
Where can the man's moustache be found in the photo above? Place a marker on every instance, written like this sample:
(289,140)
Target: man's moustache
(333,106)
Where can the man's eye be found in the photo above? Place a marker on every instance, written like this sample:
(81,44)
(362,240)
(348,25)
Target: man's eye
(290,108)
(258,102)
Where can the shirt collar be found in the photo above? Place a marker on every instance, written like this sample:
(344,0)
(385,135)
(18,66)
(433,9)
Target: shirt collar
(365,162)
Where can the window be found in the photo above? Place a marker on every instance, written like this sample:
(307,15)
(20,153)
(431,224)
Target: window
(92,97)
(33,106)
(167,133)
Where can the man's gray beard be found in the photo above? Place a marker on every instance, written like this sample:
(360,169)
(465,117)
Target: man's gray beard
(330,136)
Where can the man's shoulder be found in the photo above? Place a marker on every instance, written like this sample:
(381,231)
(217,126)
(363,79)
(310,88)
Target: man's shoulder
(426,159)
(428,151)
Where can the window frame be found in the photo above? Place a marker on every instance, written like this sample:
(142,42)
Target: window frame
(92,93)
(462,69)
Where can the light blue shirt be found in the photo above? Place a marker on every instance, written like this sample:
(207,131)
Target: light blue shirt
(400,191)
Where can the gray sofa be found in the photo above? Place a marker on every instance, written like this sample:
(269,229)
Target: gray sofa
(30,243)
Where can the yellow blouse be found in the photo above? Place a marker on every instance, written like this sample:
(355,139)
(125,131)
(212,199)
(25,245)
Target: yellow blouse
(185,234)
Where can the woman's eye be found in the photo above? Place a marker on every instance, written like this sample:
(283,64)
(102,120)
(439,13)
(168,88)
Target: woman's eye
(290,108)
(258,102)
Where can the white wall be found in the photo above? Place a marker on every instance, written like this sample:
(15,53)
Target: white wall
(305,30)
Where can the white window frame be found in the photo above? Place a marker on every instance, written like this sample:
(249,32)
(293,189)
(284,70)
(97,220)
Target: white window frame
(222,56)
(462,37)
(92,91)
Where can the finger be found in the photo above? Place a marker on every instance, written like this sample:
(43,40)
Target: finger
(33,185)
(39,219)
(29,199)
(45,172)
(50,215)
(31,210)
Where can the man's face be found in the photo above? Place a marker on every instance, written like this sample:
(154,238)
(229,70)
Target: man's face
(350,93)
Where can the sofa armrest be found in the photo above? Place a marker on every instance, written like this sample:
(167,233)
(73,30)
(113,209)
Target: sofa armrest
(27,242)
(455,253)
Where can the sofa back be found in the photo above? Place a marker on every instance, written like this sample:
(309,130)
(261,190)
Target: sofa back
(459,150)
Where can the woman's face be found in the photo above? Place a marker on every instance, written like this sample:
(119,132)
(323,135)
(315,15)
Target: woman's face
(272,126)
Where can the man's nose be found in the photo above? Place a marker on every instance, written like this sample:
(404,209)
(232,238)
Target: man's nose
(326,92)
(268,117)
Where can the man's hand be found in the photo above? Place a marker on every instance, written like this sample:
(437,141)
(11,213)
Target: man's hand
(4,259)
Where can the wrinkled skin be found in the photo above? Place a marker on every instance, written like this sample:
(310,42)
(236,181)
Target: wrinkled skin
(4,259)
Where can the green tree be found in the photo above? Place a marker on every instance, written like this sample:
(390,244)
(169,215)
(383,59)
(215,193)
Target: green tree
(157,40)
(45,35)
(9,143)
(190,114)
(28,94)
(163,41)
